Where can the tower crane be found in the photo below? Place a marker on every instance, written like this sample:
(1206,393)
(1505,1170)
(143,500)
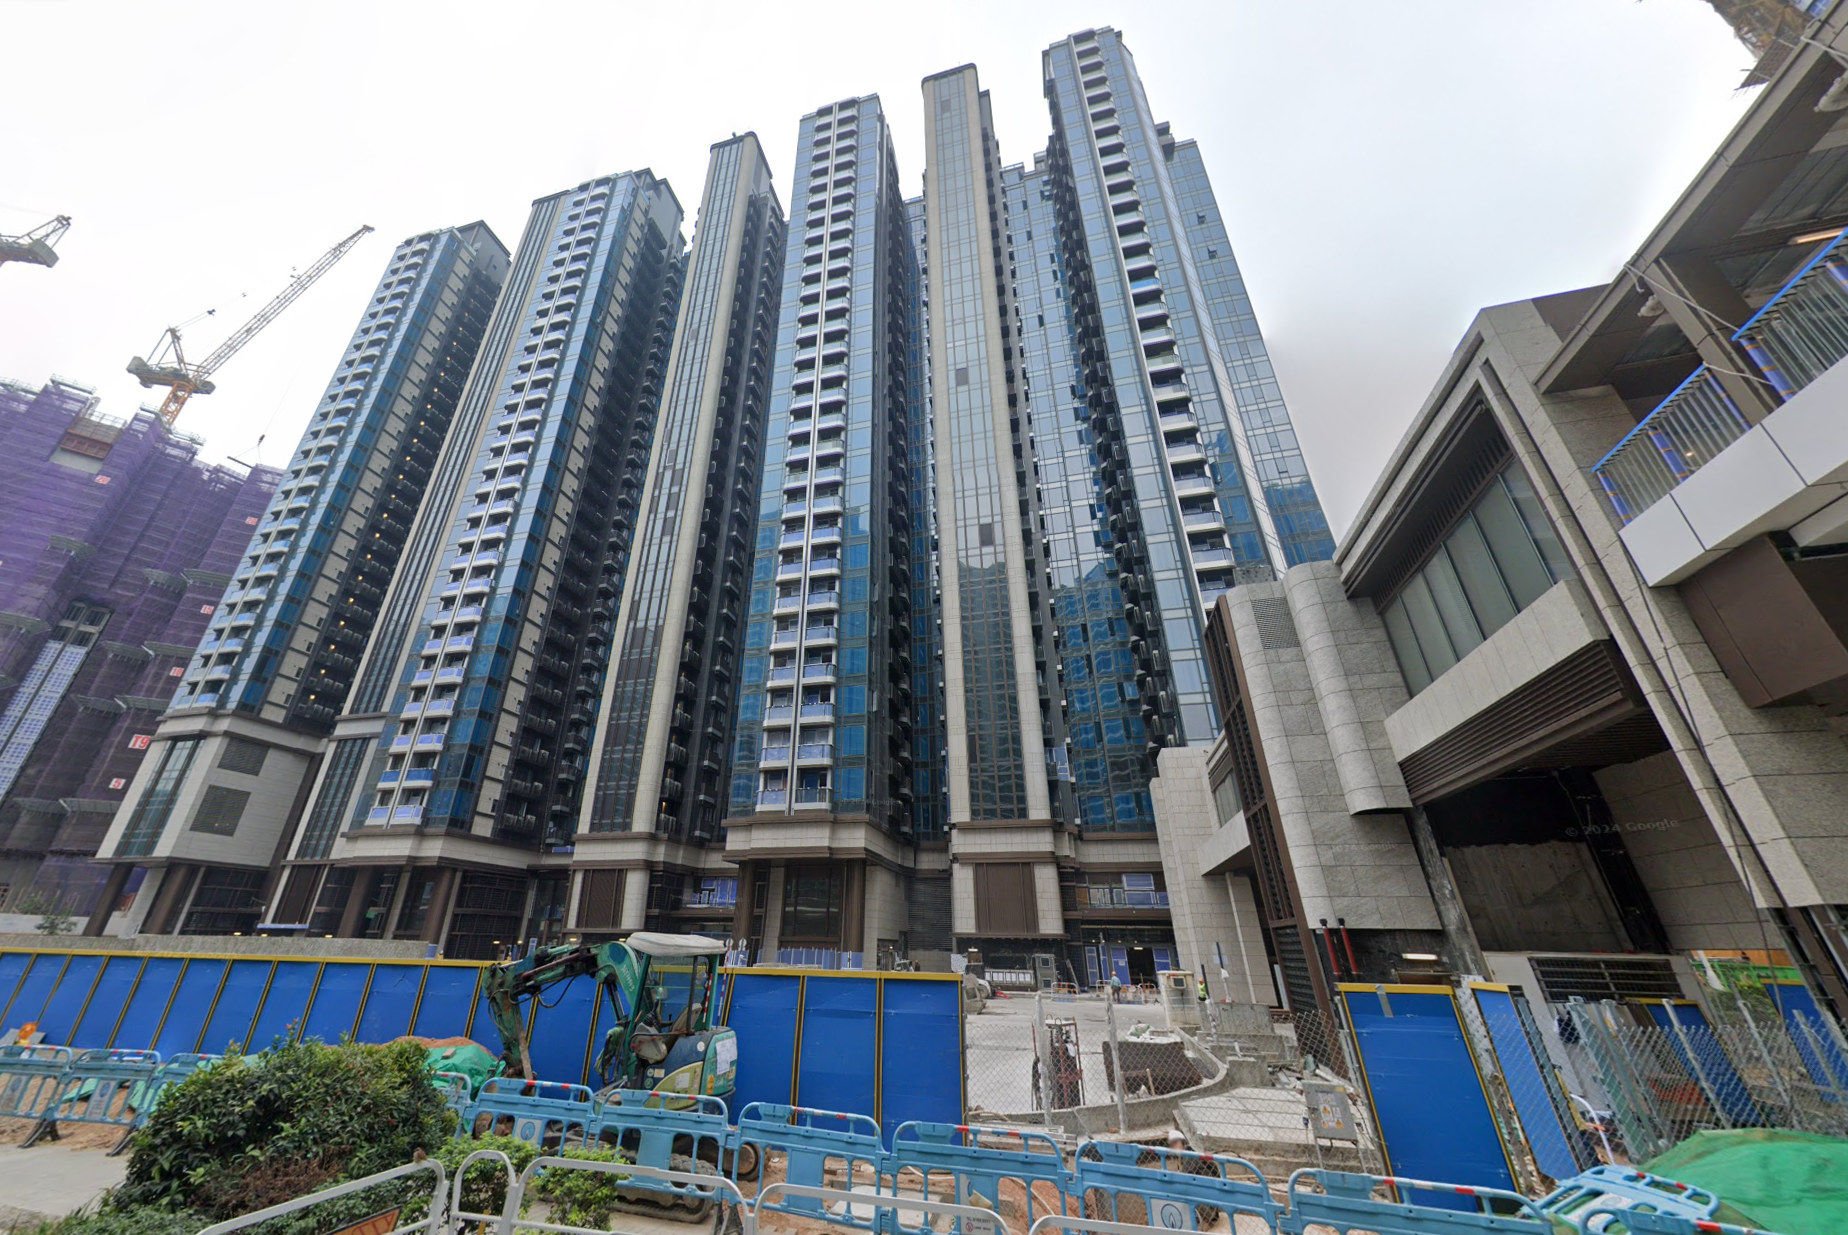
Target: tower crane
(183,379)
(36,246)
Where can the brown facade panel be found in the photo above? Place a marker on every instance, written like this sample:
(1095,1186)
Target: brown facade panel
(1776,627)
(1005,903)
(599,905)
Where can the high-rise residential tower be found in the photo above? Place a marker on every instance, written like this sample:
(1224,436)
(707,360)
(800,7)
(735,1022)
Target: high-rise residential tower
(1110,452)
(240,740)
(114,547)
(449,798)
(660,765)
(997,719)
(820,804)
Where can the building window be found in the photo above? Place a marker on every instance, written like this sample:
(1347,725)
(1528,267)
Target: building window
(812,898)
(1500,557)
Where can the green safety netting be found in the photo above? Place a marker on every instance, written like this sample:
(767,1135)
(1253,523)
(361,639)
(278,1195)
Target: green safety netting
(1793,1183)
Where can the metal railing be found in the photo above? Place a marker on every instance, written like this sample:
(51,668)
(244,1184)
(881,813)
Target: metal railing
(1803,330)
(1685,430)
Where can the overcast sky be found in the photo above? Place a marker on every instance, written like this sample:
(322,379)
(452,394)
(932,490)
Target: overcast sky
(1385,168)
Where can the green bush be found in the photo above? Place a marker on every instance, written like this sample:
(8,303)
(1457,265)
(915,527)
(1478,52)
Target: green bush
(580,1198)
(485,1189)
(256,1130)
(131,1222)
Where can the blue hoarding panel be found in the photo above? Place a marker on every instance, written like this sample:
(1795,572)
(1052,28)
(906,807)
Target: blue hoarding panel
(838,1044)
(763,1011)
(561,1030)
(336,1001)
(448,998)
(481,1024)
(236,1007)
(1529,1076)
(12,969)
(1427,1097)
(285,1005)
(66,1002)
(389,1002)
(141,1021)
(106,1003)
(1705,1061)
(192,1004)
(920,1075)
(34,989)
(1816,1043)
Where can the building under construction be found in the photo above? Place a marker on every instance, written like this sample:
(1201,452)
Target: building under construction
(116,545)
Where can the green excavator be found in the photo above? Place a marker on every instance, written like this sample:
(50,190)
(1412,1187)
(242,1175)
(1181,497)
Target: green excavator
(660,989)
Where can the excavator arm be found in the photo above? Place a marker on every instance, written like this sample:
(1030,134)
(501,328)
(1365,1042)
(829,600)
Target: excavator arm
(618,973)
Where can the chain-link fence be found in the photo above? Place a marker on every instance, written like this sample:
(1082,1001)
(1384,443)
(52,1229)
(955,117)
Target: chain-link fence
(1240,1079)
(1666,1071)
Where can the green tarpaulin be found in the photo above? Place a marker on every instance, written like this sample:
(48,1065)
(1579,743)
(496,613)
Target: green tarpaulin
(1793,1183)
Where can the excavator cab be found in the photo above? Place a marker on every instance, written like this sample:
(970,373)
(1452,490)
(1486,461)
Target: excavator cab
(660,990)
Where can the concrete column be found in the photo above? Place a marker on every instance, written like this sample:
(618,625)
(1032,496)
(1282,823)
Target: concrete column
(170,899)
(357,896)
(853,908)
(105,902)
(437,923)
(1699,300)
(635,899)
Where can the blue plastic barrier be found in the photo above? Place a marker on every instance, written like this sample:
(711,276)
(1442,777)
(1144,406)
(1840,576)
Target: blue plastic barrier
(31,1079)
(810,1143)
(662,1132)
(1611,1188)
(456,1096)
(1344,1202)
(1639,1223)
(976,1161)
(1172,1188)
(543,1113)
(114,1088)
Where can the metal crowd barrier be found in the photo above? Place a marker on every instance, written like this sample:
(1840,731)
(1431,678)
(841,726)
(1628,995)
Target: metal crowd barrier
(1608,1188)
(435,1222)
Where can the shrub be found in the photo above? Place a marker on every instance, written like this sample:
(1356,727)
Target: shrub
(580,1198)
(130,1222)
(485,1189)
(254,1130)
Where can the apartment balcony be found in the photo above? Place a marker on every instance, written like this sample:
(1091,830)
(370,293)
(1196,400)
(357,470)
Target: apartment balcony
(1203,520)
(825,505)
(1193,486)
(829,475)
(1186,452)
(1212,559)
(824,600)
(792,540)
(824,566)
(789,570)
(818,711)
(795,510)
(781,717)
(773,754)
(1686,430)
(815,752)
(772,799)
(428,741)
(812,796)
(814,635)
(824,535)
(788,604)
(419,776)
(407,814)
(785,638)
(438,707)
(822,671)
